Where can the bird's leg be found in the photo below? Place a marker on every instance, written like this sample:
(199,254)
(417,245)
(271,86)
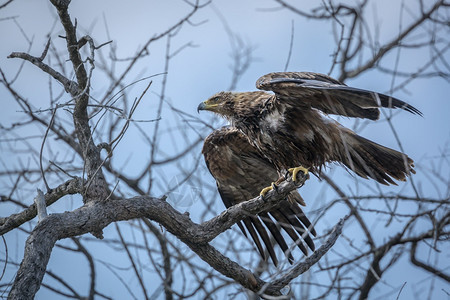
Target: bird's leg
(279,180)
(294,172)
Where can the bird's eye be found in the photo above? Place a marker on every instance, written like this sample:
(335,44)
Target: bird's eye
(215,99)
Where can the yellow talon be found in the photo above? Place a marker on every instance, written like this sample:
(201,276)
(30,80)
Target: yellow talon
(294,172)
(265,190)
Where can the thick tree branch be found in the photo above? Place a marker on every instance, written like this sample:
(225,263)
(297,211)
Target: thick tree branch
(73,186)
(95,216)
(72,48)
(69,85)
(208,230)
(353,272)
(96,184)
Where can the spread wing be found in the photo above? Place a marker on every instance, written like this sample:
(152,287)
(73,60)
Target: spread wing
(240,173)
(329,95)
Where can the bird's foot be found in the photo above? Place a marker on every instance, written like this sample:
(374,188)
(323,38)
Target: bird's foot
(294,172)
(265,190)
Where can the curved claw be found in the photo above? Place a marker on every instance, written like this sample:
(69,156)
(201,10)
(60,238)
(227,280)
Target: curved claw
(265,190)
(294,172)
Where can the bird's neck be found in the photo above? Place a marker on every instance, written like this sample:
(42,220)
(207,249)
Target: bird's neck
(250,111)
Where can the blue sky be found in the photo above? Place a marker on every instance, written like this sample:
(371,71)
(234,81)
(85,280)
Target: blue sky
(204,68)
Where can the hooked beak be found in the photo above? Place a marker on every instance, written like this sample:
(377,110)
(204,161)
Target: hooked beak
(201,106)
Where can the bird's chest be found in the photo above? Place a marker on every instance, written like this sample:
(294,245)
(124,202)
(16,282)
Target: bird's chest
(273,121)
(290,138)
(269,126)
(282,128)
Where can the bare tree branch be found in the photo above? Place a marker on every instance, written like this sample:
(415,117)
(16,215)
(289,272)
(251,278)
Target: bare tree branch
(73,186)
(95,217)
(156,152)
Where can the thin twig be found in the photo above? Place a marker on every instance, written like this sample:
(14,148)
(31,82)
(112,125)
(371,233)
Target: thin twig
(42,149)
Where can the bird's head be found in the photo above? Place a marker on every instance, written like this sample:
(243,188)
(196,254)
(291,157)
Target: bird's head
(235,106)
(221,103)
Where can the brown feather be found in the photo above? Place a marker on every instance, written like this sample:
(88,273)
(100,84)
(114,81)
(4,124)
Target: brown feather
(273,132)
(241,172)
(290,128)
(329,95)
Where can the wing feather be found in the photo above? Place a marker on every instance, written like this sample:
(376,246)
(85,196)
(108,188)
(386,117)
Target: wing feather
(240,173)
(329,95)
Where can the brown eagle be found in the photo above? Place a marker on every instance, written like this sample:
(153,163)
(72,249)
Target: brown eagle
(290,127)
(241,172)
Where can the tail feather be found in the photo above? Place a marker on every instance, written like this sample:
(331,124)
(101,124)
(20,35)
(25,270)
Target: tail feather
(252,223)
(275,231)
(371,160)
(285,224)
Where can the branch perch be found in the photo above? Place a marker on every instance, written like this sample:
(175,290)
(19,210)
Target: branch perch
(94,216)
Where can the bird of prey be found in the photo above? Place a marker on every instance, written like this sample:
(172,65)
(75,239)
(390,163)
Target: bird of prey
(290,127)
(241,172)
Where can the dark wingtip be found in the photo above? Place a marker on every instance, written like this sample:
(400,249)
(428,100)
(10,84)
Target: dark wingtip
(413,110)
(391,102)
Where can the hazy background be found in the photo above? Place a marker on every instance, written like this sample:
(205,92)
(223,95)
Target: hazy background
(202,69)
